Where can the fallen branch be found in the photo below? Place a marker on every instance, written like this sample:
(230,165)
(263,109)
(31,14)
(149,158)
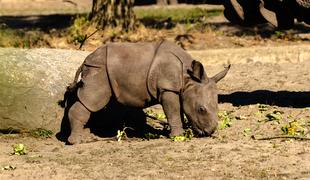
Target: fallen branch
(279,137)
(86,37)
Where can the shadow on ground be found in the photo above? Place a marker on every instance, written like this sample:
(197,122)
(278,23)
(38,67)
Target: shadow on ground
(265,30)
(106,122)
(278,98)
(57,21)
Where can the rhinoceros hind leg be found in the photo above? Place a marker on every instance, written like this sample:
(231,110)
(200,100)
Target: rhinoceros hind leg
(78,117)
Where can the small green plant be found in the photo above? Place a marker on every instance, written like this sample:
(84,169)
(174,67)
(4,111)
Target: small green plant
(40,132)
(121,134)
(226,119)
(285,35)
(263,107)
(19,149)
(294,128)
(274,116)
(187,135)
(279,34)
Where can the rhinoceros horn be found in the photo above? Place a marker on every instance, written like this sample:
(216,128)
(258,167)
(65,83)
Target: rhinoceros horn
(220,75)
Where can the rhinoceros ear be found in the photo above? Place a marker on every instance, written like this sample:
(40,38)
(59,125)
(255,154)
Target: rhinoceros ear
(221,75)
(197,73)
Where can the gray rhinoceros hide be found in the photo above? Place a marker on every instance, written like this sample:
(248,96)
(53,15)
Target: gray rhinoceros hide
(135,72)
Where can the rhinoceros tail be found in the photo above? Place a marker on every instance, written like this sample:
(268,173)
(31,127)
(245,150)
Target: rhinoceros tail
(71,88)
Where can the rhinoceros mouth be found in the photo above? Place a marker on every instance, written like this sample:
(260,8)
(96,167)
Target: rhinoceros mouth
(197,131)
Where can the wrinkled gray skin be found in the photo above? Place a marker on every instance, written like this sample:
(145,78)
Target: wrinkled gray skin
(141,75)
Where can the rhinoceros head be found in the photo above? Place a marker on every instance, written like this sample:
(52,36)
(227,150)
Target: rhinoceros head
(200,101)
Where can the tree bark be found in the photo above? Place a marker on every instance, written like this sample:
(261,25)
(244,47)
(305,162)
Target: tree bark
(173,2)
(162,2)
(113,13)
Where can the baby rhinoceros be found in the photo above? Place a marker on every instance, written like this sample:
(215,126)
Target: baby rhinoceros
(141,75)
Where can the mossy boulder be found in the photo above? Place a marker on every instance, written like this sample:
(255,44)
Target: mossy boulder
(31,84)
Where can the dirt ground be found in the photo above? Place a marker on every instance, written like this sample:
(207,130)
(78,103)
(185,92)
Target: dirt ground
(232,153)
(257,99)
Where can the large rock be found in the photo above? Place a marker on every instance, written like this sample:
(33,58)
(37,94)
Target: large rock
(31,83)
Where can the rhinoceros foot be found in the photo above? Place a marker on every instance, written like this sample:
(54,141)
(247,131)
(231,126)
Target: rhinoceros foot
(176,132)
(82,137)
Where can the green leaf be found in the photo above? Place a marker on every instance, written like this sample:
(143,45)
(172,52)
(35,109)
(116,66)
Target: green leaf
(225,120)
(19,149)
(274,116)
(187,135)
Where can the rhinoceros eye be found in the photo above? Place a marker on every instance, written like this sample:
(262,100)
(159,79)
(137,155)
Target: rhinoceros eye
(202,109)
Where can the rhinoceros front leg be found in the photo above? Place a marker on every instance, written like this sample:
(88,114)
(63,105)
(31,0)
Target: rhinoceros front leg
(78,117)
(172,108)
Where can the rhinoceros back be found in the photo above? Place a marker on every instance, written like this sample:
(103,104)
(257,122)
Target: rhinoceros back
(168,69)
(128,65)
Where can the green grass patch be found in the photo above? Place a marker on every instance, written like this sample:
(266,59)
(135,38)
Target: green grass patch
(40,132)
(76,31)
(179,15)
(19,38)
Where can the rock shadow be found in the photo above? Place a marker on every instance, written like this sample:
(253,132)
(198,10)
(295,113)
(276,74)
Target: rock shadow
(278,98)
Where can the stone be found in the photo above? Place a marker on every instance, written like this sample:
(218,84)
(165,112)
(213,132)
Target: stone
(31,84)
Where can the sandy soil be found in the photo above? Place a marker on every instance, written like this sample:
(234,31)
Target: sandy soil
(232,153)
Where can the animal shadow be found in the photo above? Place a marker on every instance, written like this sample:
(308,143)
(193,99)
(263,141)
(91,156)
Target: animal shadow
(278,98)
(106,122)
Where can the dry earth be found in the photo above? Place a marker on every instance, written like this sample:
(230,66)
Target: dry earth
(233,152)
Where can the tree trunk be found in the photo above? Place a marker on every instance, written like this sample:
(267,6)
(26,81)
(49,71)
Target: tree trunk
(173,2)
(113,13)
(162,2)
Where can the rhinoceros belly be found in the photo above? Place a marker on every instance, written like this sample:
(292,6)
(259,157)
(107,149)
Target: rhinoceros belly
(128,66)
